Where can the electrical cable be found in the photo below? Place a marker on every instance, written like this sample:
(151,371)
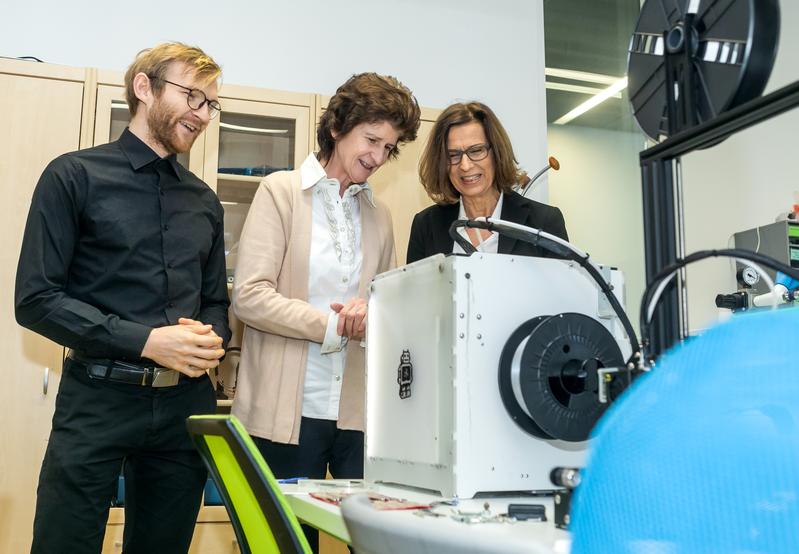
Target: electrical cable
(23,58)
(657,285)
(557,246)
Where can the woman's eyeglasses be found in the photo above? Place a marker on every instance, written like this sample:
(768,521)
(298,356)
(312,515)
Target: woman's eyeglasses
(475,153)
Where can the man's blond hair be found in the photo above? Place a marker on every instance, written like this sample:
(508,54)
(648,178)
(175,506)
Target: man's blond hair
(155,62)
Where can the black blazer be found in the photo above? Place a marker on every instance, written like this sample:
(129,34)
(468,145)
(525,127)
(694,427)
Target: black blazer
(430,228)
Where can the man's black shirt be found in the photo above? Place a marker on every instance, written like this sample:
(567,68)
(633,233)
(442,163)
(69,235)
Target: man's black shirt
(119,241)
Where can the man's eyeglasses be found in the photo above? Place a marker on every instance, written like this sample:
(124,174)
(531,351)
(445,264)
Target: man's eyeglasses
(475,153)
(196,98)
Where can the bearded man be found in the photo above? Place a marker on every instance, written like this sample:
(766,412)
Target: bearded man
(123,263)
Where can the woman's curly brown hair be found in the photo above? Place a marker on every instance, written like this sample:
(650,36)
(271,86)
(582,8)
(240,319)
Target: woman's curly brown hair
(368,98)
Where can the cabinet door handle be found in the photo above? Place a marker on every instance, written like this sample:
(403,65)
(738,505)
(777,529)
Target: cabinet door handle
(46,381)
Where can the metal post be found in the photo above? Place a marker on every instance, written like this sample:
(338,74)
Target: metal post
(660,247)
(660,213)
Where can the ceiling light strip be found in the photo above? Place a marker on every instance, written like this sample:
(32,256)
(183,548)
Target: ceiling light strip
(580,76)
(594,101)
(577,88)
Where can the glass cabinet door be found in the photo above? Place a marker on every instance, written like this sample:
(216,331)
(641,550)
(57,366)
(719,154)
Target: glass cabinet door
(112,117)
(248,141)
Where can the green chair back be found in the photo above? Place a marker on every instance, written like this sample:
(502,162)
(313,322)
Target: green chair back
(261,516)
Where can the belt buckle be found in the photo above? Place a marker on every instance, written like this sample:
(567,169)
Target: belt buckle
(165,377)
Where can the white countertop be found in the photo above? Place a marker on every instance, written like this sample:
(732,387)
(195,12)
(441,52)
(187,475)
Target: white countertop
(327,517)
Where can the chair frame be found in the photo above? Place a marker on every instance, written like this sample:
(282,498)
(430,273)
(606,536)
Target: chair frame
(283,524)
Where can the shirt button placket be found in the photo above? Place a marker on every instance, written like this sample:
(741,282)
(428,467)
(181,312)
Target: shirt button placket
(163,179)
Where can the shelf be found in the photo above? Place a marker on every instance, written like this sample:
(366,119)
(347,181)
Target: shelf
(239,178)
(239,191)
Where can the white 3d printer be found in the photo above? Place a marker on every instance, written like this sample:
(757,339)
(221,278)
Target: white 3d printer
(483,371)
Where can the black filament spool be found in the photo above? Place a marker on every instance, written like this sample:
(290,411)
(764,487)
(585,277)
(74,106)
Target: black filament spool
(728,46)
(557,375)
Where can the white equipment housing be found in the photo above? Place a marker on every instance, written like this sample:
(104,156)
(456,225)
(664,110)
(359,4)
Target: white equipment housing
(453,316)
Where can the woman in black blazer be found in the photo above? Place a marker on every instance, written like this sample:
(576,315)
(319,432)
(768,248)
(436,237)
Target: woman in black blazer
(468,169)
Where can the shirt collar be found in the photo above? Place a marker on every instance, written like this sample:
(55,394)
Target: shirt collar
(312,173)
(497,209)
(139,154)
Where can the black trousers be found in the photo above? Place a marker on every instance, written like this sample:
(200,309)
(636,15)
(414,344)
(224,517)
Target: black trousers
(98,426)
(322,446)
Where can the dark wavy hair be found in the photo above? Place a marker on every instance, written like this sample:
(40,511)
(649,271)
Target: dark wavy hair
(368,98)
(434,166)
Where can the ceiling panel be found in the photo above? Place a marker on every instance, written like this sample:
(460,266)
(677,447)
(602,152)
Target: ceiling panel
(590,36)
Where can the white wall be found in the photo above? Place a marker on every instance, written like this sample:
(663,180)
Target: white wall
(742,183)
(442,49)
(598,188)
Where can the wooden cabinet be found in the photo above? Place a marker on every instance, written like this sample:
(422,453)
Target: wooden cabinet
(42,110)
(257,133)
(212,535)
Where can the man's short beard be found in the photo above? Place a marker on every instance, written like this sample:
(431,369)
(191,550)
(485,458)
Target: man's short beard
(163,128)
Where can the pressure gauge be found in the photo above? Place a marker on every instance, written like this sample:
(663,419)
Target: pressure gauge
(748,276)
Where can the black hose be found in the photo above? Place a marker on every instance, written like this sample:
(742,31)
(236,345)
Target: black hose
(534,237)
(667,271)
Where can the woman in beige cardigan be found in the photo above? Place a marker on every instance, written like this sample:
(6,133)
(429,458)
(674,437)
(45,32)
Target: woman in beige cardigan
(313,240)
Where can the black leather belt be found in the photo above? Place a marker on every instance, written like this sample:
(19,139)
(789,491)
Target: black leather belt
(126,372)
